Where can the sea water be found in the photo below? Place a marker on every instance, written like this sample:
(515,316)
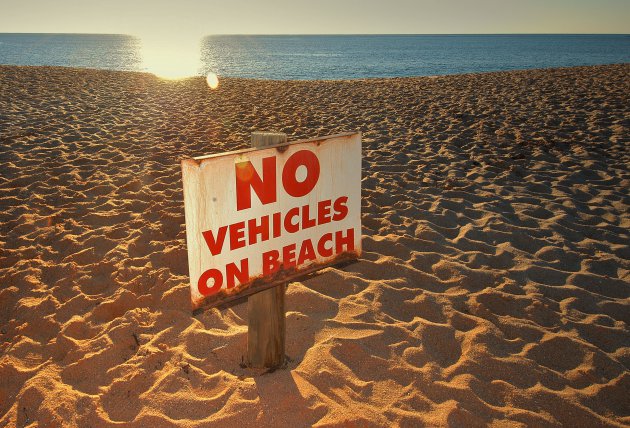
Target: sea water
(328,56)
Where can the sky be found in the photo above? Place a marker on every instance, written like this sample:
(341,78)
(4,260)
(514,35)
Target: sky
(202,17)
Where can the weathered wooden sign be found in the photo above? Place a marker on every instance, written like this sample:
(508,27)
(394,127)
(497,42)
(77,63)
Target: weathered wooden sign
(257,218)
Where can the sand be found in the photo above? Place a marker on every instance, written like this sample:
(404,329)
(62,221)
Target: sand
(494,289)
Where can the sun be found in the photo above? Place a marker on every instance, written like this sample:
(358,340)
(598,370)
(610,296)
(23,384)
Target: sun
(171,57)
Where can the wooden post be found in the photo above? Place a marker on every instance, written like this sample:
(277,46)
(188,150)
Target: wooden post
(265,310)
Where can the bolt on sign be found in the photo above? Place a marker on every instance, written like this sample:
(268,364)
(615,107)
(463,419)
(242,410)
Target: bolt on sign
(256,218)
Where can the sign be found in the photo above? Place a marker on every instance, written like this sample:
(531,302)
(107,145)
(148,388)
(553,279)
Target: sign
(256,218)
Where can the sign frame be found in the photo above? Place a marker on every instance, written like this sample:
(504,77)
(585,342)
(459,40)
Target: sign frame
(193,175)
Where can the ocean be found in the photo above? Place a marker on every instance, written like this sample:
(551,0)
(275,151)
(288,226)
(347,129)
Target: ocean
(325,56)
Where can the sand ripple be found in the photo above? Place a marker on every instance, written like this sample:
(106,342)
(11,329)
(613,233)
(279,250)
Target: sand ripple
(495,287)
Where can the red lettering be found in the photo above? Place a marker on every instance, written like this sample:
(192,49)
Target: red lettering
(254,230)
(300,158)
(307,221)
(215,245)
(321,245)
(237,235)
(288,224)
(288,256)
(340,241)
(277,222)
(341,209)
(270,262)
(202,284)
(323,211)
(247,179)
(307,252)
(233,273)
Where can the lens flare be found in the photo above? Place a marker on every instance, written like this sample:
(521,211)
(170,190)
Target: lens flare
(212,80)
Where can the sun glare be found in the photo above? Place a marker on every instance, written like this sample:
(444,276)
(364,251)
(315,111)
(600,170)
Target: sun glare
(171,58)
(212,80)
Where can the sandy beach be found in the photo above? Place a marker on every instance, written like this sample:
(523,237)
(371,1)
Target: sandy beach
(494,289)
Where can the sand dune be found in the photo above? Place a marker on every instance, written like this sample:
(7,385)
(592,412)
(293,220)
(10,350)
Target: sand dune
(494,288)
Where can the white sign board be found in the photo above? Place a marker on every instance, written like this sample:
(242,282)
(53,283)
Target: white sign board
(258,217)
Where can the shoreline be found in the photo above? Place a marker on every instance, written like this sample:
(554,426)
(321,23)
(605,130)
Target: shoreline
(357,79)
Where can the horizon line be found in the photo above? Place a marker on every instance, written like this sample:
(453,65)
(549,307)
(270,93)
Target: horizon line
(332,34)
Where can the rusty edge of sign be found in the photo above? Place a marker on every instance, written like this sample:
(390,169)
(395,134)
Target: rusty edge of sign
(260,284)
(199,159)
